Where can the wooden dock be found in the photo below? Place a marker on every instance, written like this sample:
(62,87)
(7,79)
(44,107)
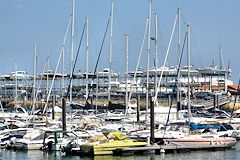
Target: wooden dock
(209,104)
(158,149)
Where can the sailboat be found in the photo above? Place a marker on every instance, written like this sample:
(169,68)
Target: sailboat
(203,140)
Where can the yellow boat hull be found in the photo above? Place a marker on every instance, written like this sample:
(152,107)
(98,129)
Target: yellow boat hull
(109,147)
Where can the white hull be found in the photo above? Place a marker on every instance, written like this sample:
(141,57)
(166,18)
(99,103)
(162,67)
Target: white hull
(202,142)
(25,146)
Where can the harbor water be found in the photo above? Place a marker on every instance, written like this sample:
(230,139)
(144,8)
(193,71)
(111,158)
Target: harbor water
(229,154)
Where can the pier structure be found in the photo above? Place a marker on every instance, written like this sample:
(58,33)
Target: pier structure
(211,79)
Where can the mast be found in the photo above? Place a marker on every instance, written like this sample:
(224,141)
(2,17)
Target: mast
(179,35)
(34,83)
(47,74)
(87,35)
(16,84)
(156,50)
(148,55)
(179,55)
(188,62)
(126,93)
(96,107)
(110,54)
(72,46)
(63,54)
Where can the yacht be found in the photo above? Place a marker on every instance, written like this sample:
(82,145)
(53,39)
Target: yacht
(20,75)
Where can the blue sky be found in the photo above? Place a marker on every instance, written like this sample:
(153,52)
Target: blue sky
(28,22)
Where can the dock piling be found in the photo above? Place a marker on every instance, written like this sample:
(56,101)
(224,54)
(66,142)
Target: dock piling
(53,106)
(138,108)
(64,114)
(152,139)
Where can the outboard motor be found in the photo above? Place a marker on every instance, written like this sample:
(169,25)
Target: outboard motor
(69,146)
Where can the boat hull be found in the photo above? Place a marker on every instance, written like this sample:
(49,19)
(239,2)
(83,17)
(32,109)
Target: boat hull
(109,147)
(201,143)
(27,146)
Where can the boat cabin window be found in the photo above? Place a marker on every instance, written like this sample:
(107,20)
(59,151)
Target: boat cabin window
(21,72)
(90,127)
(19,110)
(51,137)
(49,72)
(175,127)
(106,70)
(226,127)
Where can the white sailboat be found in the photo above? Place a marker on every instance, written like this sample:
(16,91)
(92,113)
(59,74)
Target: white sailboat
(203,140)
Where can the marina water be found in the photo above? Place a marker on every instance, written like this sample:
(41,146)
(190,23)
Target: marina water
(229,154)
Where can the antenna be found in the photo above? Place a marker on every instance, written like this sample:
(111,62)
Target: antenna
(222,65)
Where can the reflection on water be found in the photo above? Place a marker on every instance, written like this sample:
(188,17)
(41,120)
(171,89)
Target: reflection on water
(231,154)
